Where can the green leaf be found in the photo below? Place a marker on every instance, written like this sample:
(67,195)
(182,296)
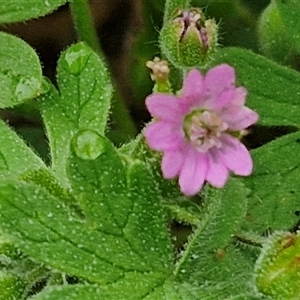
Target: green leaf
(274,186)
(22,10)
(144,288)
(83,102)
(45,179)
(64,241)
(41,225)
(101,184)
(20,70)
(138,149)
(15,157)
(277,270)
(209,259)
(289,11)
(133,286)
(94,181)
(273,90)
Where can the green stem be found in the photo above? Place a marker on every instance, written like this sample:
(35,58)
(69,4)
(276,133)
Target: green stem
(86,32)
(84,24)
(172,5)
(122,118)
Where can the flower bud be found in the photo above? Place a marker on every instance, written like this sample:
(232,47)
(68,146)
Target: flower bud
(160,75)
(278,267)
(275,40)
(189,39)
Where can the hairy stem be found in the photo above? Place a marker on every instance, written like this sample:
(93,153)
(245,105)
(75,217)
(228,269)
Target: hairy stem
(84,24)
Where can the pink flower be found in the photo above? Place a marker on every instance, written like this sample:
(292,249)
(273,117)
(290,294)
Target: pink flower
(197,131)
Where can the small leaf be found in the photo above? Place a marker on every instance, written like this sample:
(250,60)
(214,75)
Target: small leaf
(274,197)
(83,102)
(20,70)
(264,81)
(22,10)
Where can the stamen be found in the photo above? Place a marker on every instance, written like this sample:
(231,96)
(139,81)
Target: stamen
(203,129)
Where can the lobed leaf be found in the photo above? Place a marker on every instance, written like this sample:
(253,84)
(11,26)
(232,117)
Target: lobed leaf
(101,186)
(61,239)
(44,226)
(20,70)
(83,102)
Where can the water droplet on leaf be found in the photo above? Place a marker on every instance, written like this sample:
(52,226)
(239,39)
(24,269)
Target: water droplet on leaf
(26,88)
(76,58)
(88,145)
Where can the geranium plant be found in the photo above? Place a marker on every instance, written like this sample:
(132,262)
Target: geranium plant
(197,205)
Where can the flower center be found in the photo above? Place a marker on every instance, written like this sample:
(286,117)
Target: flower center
(203,129)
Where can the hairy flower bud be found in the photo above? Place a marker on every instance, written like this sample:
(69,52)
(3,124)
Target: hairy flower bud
(276,42)
(189,39)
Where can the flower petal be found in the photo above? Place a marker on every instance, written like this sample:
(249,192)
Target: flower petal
(164,107)
(217,174)
(239,117)
(235,156)
(163,136)
(218,80)
(239,96)
(192,90)
(193,172)
(214,103)
(171,163)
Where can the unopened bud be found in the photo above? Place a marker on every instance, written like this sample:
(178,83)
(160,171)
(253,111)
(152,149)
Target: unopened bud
(160,75)
(276,42)
(189,39)
(160,69)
